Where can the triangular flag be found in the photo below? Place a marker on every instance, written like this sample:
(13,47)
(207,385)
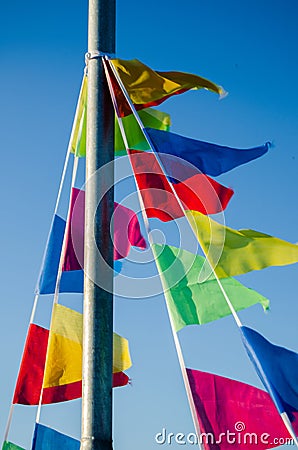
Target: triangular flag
(11,446)
(277,367)
(234,252)
(147,87)
(194,303)
(235,415)
(70,281)
(199,192)
(48,439)
(150,118)
(64,357)
(210,159)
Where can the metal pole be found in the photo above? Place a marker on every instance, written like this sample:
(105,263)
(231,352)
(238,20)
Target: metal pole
(98,302)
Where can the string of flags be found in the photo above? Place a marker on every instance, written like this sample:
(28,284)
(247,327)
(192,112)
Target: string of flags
(172,175)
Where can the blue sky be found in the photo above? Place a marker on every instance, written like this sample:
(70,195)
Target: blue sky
(250,48)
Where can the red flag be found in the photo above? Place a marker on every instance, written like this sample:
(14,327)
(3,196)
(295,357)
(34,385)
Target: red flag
(148,87)
(235,415)
(198,193)
(30,378)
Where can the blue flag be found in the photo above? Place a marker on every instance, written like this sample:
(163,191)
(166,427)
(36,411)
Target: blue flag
(48,439)
(277,367)
(70,281)
(210,159)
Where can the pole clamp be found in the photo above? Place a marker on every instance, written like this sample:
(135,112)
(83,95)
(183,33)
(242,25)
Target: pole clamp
(96,55)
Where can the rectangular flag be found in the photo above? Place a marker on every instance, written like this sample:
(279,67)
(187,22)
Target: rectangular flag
(234,252)
(29,382)
(127,232)
(147,87)
(192,302)
(183,156)
(234,415)
(199,192)
(31,373)
(64,357)
(277,367)
(48,439)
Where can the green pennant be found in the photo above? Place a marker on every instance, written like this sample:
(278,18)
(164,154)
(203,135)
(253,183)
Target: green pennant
(192,302)
(11,446)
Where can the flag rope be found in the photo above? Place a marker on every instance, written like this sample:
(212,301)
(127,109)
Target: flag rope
(68,224)
(149,234)
(9,419)
(284,415)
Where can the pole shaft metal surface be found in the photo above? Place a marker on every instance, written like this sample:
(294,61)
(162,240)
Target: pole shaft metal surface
(98,302)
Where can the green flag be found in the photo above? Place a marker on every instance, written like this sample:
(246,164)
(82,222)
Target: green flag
(194,303)
(150,117)
(10,446)
(234,252)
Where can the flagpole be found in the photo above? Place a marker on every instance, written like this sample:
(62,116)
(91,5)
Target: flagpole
(98,302)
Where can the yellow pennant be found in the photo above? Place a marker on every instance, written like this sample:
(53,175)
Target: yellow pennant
(64,356)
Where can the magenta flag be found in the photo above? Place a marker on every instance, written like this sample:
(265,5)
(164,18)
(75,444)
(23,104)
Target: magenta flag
(127,232)
(234,415)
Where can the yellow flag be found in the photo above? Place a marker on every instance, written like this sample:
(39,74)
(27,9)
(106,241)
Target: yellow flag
(64,357)
(145,85)
(233,252)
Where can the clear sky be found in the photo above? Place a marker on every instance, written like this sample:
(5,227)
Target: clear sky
(250,48)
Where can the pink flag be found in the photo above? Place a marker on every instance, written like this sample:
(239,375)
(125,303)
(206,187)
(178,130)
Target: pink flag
(235,416)
(126,232)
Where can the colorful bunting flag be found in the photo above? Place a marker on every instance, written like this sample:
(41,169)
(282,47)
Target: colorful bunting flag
(150,118)
(70,281)
(11,446)
(277,367)
(48,439)
(127,232)
(234,415)
(64,358)
(194,303)
(147,87)
(210,159)
(29,382)
(200,192)
(233,252)
(30,378)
